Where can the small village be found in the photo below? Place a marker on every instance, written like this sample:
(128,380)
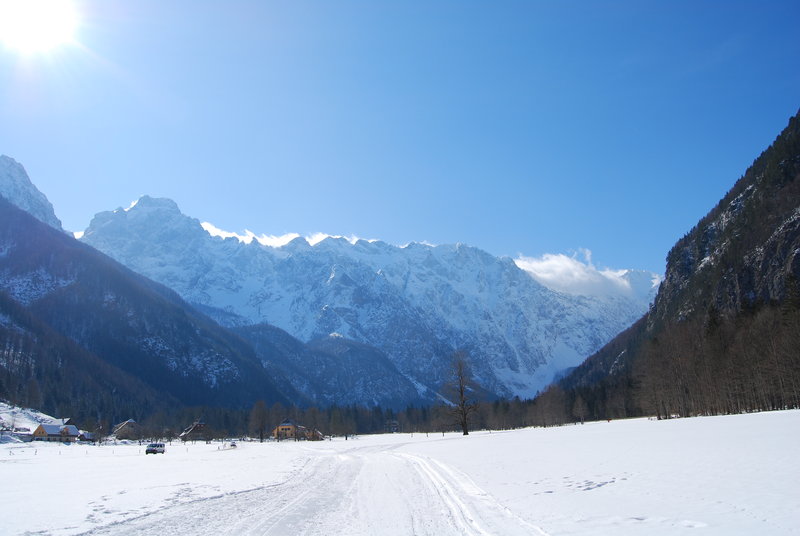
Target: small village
(65,431)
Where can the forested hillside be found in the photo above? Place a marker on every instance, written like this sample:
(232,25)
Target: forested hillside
(723,335)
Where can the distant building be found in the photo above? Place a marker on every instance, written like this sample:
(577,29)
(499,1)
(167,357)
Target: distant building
(198,431)
(56,432)
(129,429)
(288,429)
(285,430)
(313,435)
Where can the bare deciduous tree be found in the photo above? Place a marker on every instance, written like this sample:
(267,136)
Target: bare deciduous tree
(463,405)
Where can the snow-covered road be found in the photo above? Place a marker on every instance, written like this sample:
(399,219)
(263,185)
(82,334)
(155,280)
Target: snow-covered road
(362,490)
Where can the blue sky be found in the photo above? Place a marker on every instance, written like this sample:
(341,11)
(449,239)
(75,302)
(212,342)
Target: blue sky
(520,127)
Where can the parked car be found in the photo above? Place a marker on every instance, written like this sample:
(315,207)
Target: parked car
(154,448)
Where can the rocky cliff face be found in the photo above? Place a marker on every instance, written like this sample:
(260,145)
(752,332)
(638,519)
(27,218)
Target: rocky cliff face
(724,331)
(332,370)
(415,304)
(17,188)
(746,249)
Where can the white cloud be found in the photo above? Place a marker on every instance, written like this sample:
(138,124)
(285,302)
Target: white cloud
(420,242)
(316,238)
(272,240)
(133,204)
(572,275)
(249,236)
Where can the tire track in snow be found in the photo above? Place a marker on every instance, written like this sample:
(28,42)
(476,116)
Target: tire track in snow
(256,511)
(308,512)
(369,490)
(458,512)
(467,484)
(473,511)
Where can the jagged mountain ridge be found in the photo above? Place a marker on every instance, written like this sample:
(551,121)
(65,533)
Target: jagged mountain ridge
(131,324)
(416,304)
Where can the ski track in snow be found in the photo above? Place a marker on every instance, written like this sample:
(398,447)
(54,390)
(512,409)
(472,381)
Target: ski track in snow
(365,491)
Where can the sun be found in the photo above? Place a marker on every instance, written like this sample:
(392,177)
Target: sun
(36,26)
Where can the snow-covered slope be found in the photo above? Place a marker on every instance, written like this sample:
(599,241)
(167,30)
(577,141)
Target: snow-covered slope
(722,476)
(16,187)
(16,419)
(416,303)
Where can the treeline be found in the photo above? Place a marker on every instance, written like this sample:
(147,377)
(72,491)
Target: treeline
(259,421)
(707,365)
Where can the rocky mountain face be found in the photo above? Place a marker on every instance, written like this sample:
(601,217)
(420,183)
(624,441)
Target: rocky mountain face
(724,331)
(742,253)
(109,327)
(331,370)
(17,188)
(415,305)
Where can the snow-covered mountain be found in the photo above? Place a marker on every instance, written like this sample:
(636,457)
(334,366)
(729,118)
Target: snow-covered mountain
(417,304)
(78,330)
(16,187)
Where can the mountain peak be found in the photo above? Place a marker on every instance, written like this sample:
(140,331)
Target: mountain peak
(154,203)
(19,190)
(154,217)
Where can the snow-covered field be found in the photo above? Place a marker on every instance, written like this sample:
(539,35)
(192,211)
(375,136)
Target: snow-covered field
(718,475)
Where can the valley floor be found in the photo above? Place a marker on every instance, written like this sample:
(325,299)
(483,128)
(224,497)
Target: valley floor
(722,475)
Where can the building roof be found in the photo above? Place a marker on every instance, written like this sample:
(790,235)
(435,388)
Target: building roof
(55,429)
(198,426)
(120,426)
(123,423)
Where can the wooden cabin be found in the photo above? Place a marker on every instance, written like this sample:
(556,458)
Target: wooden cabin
(56,432)
(288,429)
(285,430)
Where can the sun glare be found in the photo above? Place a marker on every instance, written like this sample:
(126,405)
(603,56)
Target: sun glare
(32,26)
